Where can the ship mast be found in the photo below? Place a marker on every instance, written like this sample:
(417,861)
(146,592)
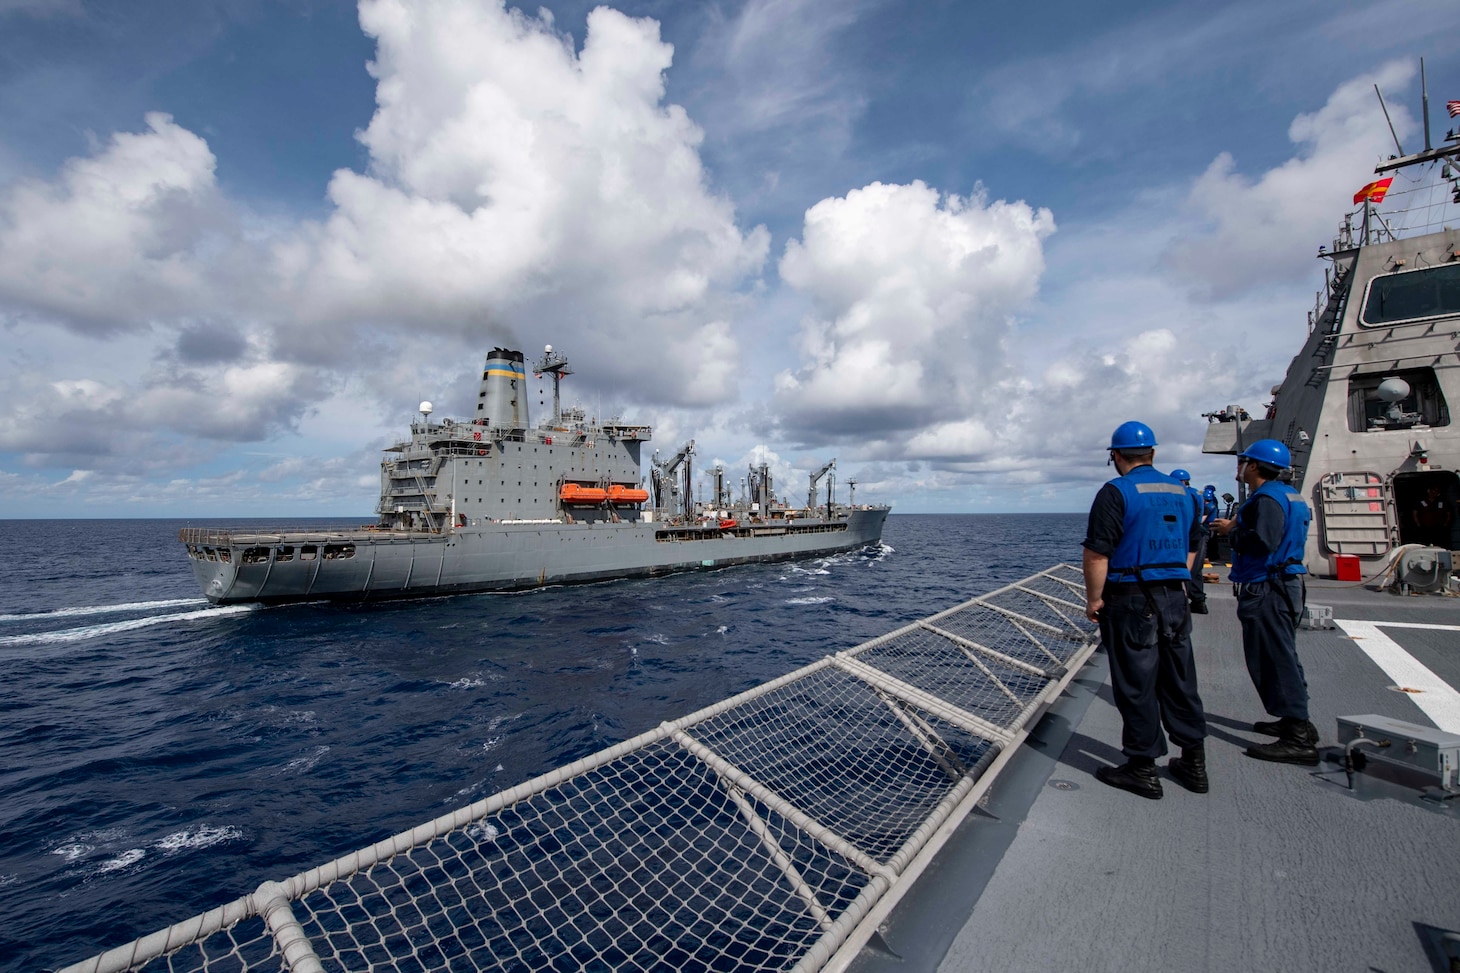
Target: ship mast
(1446,154)
(555,365)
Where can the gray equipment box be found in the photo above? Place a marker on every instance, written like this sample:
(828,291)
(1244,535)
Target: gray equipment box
(1410,745)
(1317,617)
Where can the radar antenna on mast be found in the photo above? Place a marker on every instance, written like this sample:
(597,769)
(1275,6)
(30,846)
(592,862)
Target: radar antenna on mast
(557,366)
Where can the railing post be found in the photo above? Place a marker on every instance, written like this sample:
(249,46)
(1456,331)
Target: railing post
(271,902)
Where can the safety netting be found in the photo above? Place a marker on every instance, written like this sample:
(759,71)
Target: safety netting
(770,831)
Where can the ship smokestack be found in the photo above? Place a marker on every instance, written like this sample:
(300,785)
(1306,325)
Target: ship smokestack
(502,402)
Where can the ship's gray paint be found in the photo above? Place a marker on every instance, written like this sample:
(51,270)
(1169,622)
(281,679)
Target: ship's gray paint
(1310,410)
(1277,868)
(496,557)
(477,506)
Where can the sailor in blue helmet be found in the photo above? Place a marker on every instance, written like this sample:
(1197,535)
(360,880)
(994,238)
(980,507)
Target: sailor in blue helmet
(1196,590)
(1209,510)
(1209,505)
(1137,558)
(1268,535)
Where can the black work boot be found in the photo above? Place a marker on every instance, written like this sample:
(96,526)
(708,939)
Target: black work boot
(1200,608)
(1138,778)
(1190,769)
(1297,743)
(1299,728)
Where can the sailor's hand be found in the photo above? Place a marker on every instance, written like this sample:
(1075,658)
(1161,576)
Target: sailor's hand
(1222,527)
(1092,608)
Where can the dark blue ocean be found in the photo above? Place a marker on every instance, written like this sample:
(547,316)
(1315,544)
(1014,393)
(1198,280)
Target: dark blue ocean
(162,756)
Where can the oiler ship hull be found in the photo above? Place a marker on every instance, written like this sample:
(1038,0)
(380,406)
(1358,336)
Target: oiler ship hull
(360,565)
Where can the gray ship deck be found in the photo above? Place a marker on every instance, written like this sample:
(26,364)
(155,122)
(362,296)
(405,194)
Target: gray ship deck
(1278,868)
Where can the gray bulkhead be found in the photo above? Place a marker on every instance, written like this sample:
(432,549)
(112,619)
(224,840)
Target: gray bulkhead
(1361,460)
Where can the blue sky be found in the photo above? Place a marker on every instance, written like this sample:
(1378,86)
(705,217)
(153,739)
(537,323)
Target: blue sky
(951,244)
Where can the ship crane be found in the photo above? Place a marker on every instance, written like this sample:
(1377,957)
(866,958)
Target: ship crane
(758,480)
(663,477)
(722,495)
(815,479)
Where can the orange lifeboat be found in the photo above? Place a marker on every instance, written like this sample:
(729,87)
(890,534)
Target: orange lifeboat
(623,494)
(577,493)
(728,524)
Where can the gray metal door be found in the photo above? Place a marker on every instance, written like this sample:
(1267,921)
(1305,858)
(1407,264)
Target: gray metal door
(1356,513)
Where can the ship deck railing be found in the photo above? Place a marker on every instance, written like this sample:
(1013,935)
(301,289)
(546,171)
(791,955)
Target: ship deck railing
(771,831)
(236,536)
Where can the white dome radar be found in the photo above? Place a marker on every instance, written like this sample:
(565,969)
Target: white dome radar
(425,408)
(1394,390)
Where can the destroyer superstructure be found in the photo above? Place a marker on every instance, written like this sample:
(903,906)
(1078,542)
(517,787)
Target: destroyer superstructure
(1365,406)
(495,503)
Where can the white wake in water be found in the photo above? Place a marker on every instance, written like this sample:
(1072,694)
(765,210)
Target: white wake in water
(111,628)
(102,609)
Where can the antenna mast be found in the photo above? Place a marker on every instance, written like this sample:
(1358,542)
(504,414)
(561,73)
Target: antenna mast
(556,366)
(1385,109)
(1424,102)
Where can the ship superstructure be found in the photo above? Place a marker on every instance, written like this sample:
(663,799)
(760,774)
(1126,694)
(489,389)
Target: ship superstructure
(495,503)
(1365,406)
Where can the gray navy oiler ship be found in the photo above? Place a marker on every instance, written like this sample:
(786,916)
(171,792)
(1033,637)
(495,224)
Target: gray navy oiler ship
(493,503)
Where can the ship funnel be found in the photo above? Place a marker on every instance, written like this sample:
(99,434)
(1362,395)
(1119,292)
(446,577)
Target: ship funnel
(502,402)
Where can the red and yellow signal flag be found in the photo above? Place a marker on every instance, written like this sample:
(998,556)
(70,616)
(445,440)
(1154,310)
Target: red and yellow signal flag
(1374,191)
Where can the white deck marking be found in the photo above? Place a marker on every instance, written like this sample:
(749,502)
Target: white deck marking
(1438,699)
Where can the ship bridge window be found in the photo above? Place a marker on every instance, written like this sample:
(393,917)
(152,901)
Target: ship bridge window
(1409,296)
(1396,400)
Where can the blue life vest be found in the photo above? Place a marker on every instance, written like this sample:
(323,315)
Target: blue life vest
(1287,557)
(1196,503)
(1157,529)
(1208,509)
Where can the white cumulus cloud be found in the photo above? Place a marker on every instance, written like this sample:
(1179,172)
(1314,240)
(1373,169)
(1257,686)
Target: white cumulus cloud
(516,183)
(913,292)
(130,235)
(1262,230)
(519,189)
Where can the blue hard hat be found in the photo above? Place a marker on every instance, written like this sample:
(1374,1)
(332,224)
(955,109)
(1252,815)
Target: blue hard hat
(1209,491)
(1181,475)
(1132,435)
(1269,452)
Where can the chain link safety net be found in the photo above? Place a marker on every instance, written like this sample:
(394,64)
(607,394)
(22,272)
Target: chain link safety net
(767,832)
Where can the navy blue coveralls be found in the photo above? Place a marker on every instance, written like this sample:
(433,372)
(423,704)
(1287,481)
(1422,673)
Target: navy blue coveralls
(1145,524)
(1267,573)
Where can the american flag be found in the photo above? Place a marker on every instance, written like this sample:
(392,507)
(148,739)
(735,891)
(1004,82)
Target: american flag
(1453,107)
